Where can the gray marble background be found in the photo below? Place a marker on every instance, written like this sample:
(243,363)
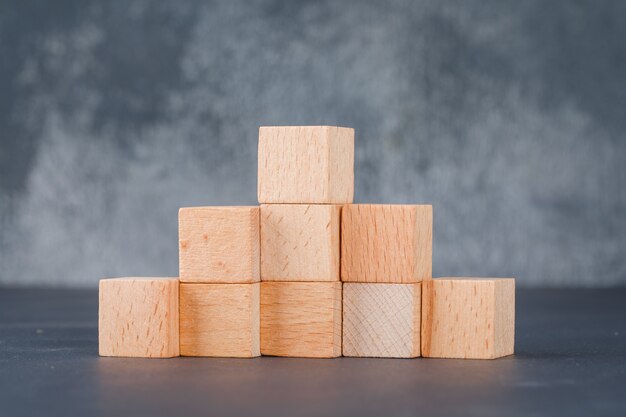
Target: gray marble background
(508,116)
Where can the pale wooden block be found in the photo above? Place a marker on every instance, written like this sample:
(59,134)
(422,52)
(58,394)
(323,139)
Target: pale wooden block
(468,318)
(306,164)
(219,244)
(386,243)
(381,320)
(301,319)
(138,317)
(300,242)
(220,320)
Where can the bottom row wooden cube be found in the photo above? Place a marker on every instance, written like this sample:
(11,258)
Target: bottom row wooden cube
(301,319)
(468,318)
(138,317)
(381,320)
(219,320)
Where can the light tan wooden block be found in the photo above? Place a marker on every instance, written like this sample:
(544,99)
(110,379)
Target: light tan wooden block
(468,318)
(219,244)
(301,319)
(386,243)
(300,242)
(306,164)
(219,320)
(138,317)
(381,320)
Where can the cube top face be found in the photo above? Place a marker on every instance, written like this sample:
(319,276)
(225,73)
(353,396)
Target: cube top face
(386,243)
(301,319)
(138,317)
(381,320)
(219,244)
(300,242)
(306,164)
(219,320)
(468,318)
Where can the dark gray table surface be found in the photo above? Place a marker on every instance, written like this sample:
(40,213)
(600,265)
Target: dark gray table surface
(570,360)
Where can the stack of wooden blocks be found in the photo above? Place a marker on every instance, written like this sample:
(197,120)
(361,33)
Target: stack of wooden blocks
(307,274)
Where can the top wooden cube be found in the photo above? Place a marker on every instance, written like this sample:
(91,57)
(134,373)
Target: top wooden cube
(386,243)
(219,244)
(306,164)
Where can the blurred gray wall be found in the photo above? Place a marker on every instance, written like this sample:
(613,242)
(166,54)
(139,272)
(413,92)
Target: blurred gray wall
(508,116)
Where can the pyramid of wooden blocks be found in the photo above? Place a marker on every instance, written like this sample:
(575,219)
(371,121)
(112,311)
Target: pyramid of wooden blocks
(307,274)
(301,319)
(381,320)
(386,243)
(468,318)
(138,317)
(306,164)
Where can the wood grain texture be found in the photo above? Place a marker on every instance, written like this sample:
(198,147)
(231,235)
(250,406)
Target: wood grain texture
(219,244)
(306,164)
(381,320)
(300,242)
(220,320)
(386,243)
(138,317)
(301,319)
(468,318)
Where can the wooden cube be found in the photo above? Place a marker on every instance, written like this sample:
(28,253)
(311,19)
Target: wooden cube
(381,320)
(306,164)
(301,319)
(468,318)
(219,320)
(300,242)
(386,243)
(138,317)
(219,244)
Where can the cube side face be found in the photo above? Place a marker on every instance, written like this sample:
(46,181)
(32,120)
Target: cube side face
(341,160)
(138,318)
(301,319)
(300,242)
(297,164)
(381,320)
(219,244)
(458,319)
(423,235)
(504,327)
(219,320)
(386,243)
(417,320)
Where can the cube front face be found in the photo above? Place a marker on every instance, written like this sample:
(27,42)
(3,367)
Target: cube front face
(219,244)
(381,320)
(386,243)
(300,242)
(219,320)
(138,317)
(301,319)
(306,165)
(468,318)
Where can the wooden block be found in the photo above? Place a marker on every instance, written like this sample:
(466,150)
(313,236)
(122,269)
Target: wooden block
(301,319)
(468,318)
(219,244)
(386,243)
(306,164)
(300,242)
(138,317)
(381,320)
(219,320)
